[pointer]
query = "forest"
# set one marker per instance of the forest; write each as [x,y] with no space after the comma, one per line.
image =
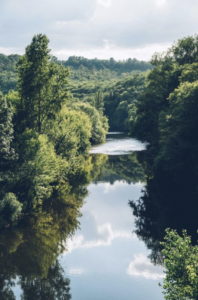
[52,111]
[39,151]
[167,119]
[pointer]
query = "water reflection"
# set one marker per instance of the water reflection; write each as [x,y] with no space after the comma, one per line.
[124,168]
[169,200]
[118,144]
[105,260]
[104,254]
[29,263]
[29,252]
[80,243]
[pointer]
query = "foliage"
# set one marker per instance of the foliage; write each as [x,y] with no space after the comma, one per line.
[121,102]
[81,69]
[91,80]
[120,98]
[30,251]
[50,133]
[39,169]
[167,119]
[70,132]
[181,268]
[7,152]
[167,109]
[10,209]
[8,76]
[99,122]
[99,101]
[41,85]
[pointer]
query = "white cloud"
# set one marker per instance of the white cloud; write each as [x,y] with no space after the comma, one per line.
[160,2]
[98,28]
[142,267]
[106,3]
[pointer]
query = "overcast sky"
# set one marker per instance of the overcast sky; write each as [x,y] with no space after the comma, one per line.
[97,28]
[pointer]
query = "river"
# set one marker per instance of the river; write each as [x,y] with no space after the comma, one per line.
[103,258]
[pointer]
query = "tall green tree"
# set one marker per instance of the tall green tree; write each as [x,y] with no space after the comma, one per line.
[42,85]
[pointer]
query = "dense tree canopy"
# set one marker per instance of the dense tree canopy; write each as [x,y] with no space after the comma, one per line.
[167,109]
[80,68]
[46,132]
[45,135]
[167,119]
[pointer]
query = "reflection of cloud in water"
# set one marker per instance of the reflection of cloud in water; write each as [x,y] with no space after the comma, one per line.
[142,267]
[77,271]
[108,187]
[106,235]
[105,218]
[100,253]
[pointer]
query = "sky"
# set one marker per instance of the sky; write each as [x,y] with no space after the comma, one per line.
[97,28]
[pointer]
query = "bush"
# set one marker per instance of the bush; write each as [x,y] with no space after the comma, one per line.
[181,263]
[10,209]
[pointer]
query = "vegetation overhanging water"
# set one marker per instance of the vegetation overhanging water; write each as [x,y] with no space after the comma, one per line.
[45,135]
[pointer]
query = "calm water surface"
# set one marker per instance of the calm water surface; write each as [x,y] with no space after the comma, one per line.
[105,259]
[118,143]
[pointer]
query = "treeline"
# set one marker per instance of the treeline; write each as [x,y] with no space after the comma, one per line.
[167,109]
[120,98]
[119,83]
[127,65]
[167,120]
[44,136]
[80,69]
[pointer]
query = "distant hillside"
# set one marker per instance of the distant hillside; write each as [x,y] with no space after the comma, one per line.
[127,65]
[81,69]
[120,95]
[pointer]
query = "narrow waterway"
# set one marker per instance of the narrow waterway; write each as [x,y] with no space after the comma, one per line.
[105,259]
[81,244]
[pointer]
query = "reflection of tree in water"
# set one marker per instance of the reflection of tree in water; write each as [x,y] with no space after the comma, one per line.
[54,286]
[29,252]
[121,167]
[169,200]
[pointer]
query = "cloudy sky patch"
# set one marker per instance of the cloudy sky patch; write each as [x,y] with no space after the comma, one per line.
[97,28]
[142,267]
